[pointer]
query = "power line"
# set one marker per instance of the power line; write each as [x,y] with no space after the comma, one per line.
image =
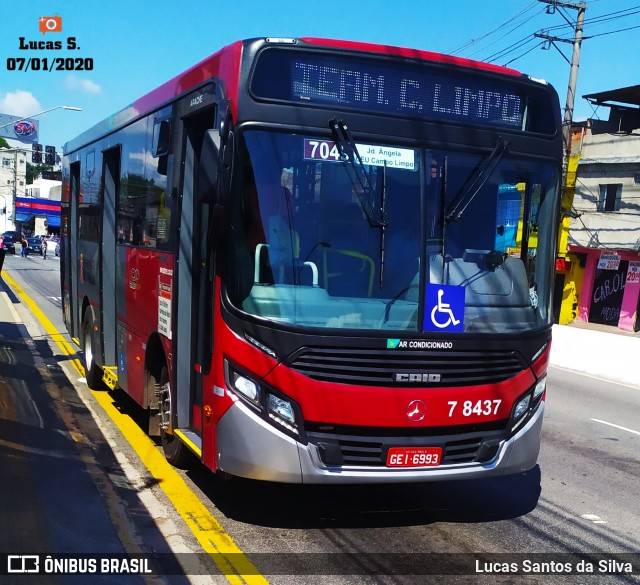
[612,32]
[602,18]
[522,55]
[513,29]
[478,39]
[510,49]
[519,44]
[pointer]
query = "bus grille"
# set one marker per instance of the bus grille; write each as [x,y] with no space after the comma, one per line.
[357,451]
[371,451]
[379,368]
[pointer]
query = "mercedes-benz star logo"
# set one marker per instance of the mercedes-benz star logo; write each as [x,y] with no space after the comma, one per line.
[416,410]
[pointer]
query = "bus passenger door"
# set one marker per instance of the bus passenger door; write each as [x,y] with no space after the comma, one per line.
[69,264]
[110,186]
[193,264]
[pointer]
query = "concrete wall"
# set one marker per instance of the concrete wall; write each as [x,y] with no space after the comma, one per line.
[604,355]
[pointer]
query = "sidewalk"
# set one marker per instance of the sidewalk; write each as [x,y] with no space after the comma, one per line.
[604,352]
[7,312]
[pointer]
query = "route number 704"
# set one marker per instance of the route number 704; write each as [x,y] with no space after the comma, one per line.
[321,150]
[478,408]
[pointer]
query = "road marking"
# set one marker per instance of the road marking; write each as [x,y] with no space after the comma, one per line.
[593,518]
[208,531]
[56,336]
[227,556]
[604,422]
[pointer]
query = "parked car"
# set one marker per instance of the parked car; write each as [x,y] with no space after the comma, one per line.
[34,245]
[10,239]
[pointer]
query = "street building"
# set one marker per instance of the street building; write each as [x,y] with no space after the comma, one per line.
[599,267]
[13,172]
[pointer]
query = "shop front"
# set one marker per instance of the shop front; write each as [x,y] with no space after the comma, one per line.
[37,216]
[611,288]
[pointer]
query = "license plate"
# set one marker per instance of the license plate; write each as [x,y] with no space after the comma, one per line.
[414,456]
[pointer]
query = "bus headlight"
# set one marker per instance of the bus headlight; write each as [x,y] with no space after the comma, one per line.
[539,388]
[521,407]
[272,406]
[528,403]
[248,388]
[281,408]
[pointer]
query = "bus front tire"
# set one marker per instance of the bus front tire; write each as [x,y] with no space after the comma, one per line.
[175,451]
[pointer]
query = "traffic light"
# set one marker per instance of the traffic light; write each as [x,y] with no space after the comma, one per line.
[50,155]
[36,153]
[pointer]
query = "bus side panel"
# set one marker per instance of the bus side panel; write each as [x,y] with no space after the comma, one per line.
[132,363]
[147,276]
[216,398]
[121,322]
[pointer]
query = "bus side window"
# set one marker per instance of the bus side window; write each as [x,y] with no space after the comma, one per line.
[143,215]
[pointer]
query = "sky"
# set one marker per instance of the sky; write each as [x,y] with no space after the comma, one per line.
[136,45]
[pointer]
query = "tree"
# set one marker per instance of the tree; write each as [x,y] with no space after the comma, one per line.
[4,143]
[34,170]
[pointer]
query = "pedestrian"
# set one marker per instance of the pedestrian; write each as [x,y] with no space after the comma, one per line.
[43,247]
[25,246]
[2,252]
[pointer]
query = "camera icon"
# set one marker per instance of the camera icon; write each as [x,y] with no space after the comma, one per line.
[50,24]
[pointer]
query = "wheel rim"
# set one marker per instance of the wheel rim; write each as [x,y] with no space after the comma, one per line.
[88,350]
[164,413]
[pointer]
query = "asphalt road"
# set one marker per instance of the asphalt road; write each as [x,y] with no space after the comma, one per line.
[580,499]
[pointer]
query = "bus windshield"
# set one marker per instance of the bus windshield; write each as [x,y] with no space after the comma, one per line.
[305,252]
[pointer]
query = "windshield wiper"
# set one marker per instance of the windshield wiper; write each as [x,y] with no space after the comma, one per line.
[357,173]
[481,175]
[383,225]
[443,197]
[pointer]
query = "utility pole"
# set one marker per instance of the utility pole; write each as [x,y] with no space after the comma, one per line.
[575,63]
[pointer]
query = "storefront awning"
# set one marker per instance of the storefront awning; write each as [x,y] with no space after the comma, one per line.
[23,217]
[52,220]
[29,207]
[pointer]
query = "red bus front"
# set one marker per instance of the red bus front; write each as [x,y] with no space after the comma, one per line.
[361,336]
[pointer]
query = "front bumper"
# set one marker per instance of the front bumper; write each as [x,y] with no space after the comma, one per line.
[248,446]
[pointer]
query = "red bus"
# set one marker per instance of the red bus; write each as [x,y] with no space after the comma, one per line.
[318,261]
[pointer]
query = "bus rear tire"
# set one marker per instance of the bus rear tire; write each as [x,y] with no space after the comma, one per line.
[175,451]
[93,372]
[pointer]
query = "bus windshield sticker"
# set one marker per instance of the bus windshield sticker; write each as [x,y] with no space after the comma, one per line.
[444,308]
[371,154]
[165,289]
[418,344]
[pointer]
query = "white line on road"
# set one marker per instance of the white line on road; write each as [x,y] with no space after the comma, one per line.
[594,376]
[595,519]
[604,422]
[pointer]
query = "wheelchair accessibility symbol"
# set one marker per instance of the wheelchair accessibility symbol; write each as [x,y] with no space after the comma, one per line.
[444,308]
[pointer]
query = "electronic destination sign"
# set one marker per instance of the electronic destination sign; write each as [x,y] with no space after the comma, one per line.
[402,88]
